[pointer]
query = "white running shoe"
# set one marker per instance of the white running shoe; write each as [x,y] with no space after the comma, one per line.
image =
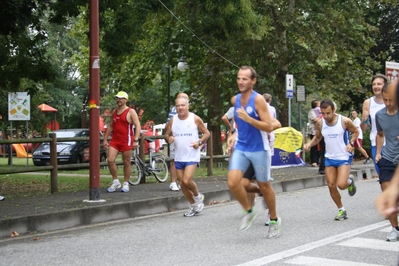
[173,186]
[191,211]
[246,221]
[125,187]
[114,186]
[274,228]
[393,235]
[199,203]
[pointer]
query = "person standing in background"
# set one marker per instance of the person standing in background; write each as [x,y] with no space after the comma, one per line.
[359,141]
[125,130]
[312,119]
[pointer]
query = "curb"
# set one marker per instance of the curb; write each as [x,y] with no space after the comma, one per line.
[100,212]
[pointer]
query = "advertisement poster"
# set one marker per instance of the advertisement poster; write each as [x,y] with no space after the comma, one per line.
[18,106]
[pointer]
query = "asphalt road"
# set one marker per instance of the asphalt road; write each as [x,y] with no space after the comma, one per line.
[309,236]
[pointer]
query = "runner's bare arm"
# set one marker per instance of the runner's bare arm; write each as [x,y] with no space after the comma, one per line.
[317,137]
[365,115]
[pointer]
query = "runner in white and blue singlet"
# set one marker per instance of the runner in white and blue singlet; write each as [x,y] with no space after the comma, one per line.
[338,157]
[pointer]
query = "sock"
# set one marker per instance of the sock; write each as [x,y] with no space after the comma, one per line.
[275,220]
[350,181]
[249,211]
[341,209]
[116,181]
[397,228]
[199,197]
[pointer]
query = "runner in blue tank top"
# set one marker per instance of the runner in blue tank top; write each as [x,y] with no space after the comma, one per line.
[338,157]
[253,121]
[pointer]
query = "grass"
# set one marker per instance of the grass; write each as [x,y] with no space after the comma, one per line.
[24,184]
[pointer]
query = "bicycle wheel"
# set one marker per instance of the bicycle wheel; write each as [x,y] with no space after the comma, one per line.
[160,170]
[135,173]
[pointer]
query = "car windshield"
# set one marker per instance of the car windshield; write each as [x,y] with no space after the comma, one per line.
[66,134]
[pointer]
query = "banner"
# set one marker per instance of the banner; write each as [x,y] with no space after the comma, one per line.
[287,148]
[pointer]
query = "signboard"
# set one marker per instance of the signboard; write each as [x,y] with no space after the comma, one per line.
[392,70]
[300,93]
[289,86]
[18,106]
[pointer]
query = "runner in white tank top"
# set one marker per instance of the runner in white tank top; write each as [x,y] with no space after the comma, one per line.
[370,107]
[182,130]
[333,128]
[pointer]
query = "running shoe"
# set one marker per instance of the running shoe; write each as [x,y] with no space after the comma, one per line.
[1,198]
[125,187]
[114,186]
[393,235]
[274,228]
[199,203]
[267,223]
[191,211]
[341,215]
[352,186]
[246,221]
[367,161]
[173,186]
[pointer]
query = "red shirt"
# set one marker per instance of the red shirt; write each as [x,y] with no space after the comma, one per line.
[122,131]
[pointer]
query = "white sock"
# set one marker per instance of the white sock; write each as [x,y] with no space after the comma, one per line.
[341,209]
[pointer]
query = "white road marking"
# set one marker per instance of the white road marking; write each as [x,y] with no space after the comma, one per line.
[371,244]
[316,244]
[313,261]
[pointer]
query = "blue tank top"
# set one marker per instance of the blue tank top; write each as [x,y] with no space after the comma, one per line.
[249,137]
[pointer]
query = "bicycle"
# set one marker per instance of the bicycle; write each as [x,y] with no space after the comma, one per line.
[157,166]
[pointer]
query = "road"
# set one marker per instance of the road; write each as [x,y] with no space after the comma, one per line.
[309,236]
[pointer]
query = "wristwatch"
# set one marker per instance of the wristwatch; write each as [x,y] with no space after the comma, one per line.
[136,140]
[352,144]
[199,143]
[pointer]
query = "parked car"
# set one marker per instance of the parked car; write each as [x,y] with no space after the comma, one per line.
[68,152]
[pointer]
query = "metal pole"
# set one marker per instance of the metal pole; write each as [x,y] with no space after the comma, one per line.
[289,112]
[94,102]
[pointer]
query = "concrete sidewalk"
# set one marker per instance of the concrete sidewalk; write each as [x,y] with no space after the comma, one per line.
[65,210]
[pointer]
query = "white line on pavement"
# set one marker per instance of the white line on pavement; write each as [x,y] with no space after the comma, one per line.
[312,261]
[313,245]
[377,244]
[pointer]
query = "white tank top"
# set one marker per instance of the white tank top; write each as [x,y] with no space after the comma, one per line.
[336,139]
[185,133]
[374,108]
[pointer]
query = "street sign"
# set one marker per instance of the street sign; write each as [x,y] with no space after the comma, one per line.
[289,86]
[300,93]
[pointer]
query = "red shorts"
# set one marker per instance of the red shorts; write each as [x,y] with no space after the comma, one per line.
[121,147]
[358,143]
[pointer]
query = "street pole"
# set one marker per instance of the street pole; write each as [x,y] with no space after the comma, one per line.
[94,103]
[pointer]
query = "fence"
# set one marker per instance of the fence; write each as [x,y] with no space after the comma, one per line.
[54,167]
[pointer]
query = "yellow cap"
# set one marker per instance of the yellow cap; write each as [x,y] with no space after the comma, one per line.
[122,94]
